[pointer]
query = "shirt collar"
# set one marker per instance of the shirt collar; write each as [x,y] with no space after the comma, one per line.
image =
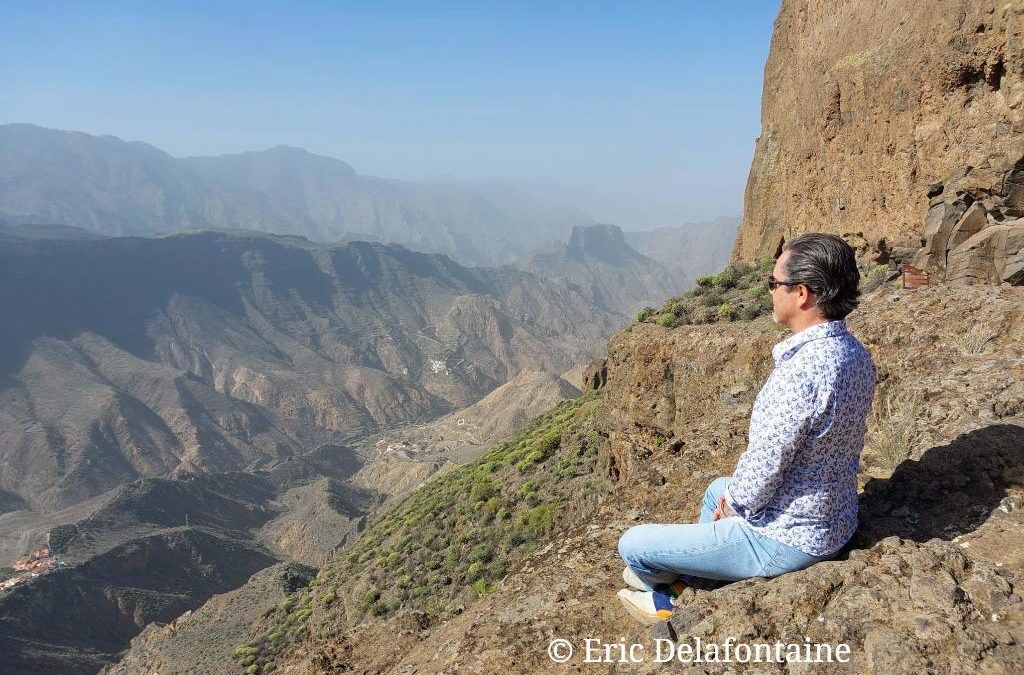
[785,349]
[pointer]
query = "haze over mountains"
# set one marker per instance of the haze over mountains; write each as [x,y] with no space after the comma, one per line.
[109,186]
[114,187]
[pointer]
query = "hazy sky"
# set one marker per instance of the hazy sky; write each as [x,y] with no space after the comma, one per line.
[645,112]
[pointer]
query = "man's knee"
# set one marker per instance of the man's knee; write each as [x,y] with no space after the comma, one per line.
[632,542]
[718,486]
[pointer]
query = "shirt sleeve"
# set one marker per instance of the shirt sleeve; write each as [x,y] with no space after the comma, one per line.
[780,424]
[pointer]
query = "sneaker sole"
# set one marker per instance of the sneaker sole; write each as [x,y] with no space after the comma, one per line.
[642,615]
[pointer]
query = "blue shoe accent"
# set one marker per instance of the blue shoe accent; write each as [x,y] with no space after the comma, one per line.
[662,603]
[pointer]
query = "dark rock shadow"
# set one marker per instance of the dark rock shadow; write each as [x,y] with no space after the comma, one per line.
[951,490]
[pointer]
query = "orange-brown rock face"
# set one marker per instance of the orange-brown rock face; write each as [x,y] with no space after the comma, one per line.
[868,104]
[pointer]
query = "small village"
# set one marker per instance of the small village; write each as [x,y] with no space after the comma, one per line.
[39,562]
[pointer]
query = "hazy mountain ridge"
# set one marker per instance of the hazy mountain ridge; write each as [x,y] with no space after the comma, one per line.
[113,187]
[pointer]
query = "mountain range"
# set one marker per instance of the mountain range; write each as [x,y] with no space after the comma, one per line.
[110,186]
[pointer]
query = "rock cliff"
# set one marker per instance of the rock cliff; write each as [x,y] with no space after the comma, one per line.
[870,107]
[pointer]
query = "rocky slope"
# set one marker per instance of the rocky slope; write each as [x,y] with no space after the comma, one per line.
[113,187]
[866,105]
[201,353]
[72,620]
[931,582]
[202,643]
[497,415]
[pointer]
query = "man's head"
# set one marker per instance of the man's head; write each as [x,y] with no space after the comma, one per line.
[822,279]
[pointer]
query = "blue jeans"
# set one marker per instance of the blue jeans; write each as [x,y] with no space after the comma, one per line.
[726,549]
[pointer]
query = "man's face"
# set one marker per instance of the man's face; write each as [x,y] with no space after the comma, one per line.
[783,298]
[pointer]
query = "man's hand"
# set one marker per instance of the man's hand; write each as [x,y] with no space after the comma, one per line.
[723,510]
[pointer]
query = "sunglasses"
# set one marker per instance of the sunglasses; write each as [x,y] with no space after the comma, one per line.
[774,283]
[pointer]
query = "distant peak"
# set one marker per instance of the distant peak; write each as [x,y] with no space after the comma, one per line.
[292,153]
[601,241]
[287,150]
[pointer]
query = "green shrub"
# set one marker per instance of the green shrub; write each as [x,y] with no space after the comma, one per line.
[481,553]
[726,279]
[706,280]
[666,320]
[875,277]
[748,312]
[644,314]
[726,312]
[567,469]
[533,457]
[244,650]
[369,599]
[712,297]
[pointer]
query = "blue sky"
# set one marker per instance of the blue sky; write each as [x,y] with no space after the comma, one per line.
[643,113]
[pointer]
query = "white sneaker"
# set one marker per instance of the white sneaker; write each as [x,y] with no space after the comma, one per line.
[647,607]
[632,580]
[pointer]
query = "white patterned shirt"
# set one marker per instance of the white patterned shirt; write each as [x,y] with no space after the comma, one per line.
[797,480]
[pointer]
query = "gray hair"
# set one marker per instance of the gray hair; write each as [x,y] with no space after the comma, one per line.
[828,267]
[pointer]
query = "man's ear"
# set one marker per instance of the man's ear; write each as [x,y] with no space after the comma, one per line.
[806,299]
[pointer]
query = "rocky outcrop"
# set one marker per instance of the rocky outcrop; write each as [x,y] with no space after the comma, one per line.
[974,232]
[993,255]
[867,105]
[609,272]
[595,375]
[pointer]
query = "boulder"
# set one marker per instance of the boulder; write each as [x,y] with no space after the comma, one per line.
[973,221]
[993,255]
[938,225]
[596,375]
